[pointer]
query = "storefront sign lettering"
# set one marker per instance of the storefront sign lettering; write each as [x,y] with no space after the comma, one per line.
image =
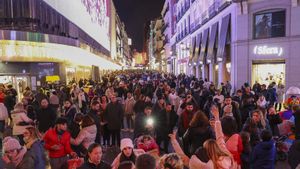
[266,50]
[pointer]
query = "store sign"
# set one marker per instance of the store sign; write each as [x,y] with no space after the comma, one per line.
[266,50]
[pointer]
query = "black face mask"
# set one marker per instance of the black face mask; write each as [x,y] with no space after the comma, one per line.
[60,132]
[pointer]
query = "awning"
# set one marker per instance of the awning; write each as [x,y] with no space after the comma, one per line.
[197,48]
[192,52]
[211,44]
[223,37]
[204,39]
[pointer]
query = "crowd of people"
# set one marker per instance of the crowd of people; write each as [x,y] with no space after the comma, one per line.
[176,122]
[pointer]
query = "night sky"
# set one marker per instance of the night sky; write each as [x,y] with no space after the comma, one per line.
[135,14]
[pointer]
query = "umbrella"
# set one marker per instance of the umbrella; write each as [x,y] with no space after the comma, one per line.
[293,91]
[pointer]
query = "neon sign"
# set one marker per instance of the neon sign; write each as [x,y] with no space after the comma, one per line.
[266,50]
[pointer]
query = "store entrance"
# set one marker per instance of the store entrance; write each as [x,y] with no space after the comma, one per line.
[18,82]
[266,73]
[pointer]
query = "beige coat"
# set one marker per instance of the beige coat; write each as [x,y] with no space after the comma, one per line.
[128,106]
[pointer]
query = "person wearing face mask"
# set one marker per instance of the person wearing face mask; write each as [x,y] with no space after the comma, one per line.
[57,142]
[94,158]
[35,146]
[15,156]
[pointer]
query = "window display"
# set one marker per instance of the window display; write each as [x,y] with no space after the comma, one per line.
[268,73]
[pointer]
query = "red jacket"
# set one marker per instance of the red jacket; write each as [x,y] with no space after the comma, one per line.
[51,139]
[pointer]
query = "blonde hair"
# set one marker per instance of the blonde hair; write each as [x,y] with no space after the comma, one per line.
[262,117]
[172,160]
[214,152]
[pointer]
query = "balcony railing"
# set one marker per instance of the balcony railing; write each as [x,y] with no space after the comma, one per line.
[204,17]
[213,9]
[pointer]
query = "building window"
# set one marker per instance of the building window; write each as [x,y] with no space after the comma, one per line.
[269,24]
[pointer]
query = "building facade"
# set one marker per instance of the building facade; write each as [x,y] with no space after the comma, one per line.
[45,39]
[239,41]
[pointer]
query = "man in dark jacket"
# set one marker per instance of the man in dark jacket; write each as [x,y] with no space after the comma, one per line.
[141,127]
[263,154]
[45,116]
[166,121]
[94,114]
[114,117]
[235,111]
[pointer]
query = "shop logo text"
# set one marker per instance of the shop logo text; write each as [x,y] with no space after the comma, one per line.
[266,50]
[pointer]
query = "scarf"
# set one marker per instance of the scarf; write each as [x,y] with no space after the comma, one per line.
[30,143]
[17,160]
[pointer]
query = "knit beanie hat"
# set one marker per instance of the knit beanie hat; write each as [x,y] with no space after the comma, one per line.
[10,143]
[126,142]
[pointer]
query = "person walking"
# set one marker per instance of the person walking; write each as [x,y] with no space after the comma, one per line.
[46,116]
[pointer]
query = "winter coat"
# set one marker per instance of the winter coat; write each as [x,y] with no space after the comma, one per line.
[86,136]
[165,122]
[88,165]
[114,115]
[236,114]
[46,118]
[26,163]
[38,151]
[19,117]
[196,136]
[51,138]
[224,162]
[293,156]
[274,120]
[235,146]
[263,155]
[70,113]
[93,114]
[128,107]
[3,112]
[297,124]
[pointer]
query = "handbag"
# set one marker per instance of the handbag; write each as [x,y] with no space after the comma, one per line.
[75,163]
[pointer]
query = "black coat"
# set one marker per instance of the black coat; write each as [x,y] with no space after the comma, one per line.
[46,118]
[293,157]
[164,126]
[196,136]
[88,165]
[274,120]
[114,116]
[297,124]
[236,114]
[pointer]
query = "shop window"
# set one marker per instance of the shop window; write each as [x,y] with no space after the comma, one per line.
[269,24]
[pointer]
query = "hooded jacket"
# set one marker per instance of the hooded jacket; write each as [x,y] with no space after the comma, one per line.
[263,155]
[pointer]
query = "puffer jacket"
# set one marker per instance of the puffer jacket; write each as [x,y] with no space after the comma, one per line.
[19,116]
[86,136]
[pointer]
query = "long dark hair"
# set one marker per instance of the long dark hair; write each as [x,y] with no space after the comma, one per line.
[132,157]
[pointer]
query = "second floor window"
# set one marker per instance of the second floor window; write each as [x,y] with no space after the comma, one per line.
[268,24]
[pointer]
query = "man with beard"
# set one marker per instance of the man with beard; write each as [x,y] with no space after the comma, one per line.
[114,114]
[185,118]
[166,121]
[235,111]
[46,116]
[57,142]
[94,114]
